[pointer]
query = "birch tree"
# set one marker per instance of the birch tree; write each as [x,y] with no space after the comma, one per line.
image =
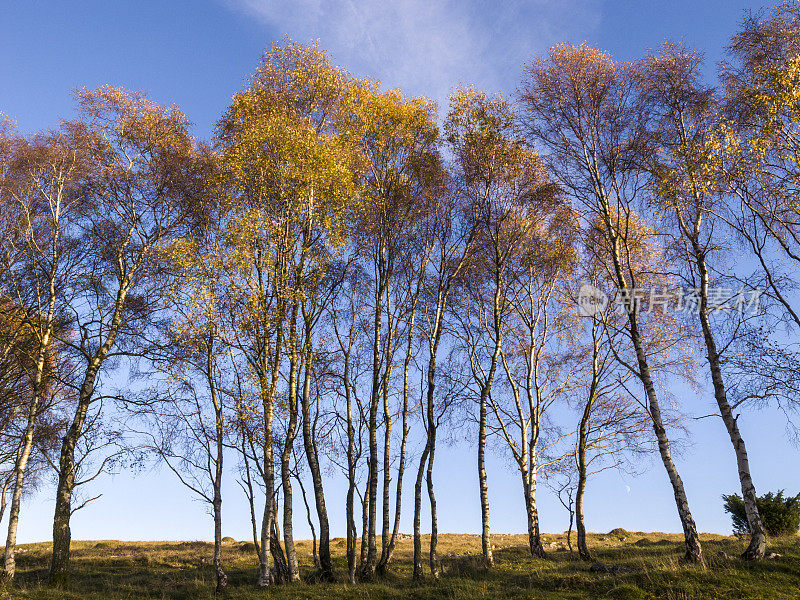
[583,108]
[144,177]
[686,185]
[293,174]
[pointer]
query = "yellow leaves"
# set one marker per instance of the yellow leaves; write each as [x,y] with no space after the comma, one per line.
[131,119]
[286,151]
[395,140]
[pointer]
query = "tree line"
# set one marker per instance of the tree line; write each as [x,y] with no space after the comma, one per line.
[340,281]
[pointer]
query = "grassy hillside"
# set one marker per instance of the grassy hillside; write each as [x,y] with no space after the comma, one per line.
[649,568]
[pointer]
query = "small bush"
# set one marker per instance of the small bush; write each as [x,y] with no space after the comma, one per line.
[227,540]
[619,532]
[781,516]
[626,592]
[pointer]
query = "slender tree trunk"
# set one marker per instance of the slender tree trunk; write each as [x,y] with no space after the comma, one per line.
[325,561]
[486,542]
[4,498]
[364,528]
[314,553]
[281,566]
[398,501]
[267,390]
[569,530]
[293,571]
[368,570]
[583,550]
[417,573]
[26,443]
[352,533]
[534,534]
[219,432]
[222,578]
[758,537]
[404,439]
[248,489]
[694,552]
[583,427]
[387,479]
[288,500]
[62,536]
[264,574]
[23,454]
[433,556]
[486,388]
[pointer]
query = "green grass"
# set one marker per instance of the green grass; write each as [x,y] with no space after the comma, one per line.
[116,570]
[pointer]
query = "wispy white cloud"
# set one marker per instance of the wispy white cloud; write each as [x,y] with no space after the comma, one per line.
[429,46]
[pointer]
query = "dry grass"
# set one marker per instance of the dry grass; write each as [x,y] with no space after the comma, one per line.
[650,568]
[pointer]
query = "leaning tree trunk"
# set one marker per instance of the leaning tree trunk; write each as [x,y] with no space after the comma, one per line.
[583,550]
[62,536]
[26,443]
[758,537]
[281,566]
[4,498]
[694,551]
[583,427]
[417,573]
[325,561]
[20,465]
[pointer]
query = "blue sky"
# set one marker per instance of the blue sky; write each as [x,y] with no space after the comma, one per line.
[197,54]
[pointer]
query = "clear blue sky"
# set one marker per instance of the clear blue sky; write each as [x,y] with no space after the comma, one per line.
[196,54]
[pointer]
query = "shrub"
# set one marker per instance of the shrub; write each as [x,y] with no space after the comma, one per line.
[619,532]
[781,516]
[626,592]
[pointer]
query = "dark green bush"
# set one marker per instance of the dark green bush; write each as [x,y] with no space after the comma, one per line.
[781,516]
